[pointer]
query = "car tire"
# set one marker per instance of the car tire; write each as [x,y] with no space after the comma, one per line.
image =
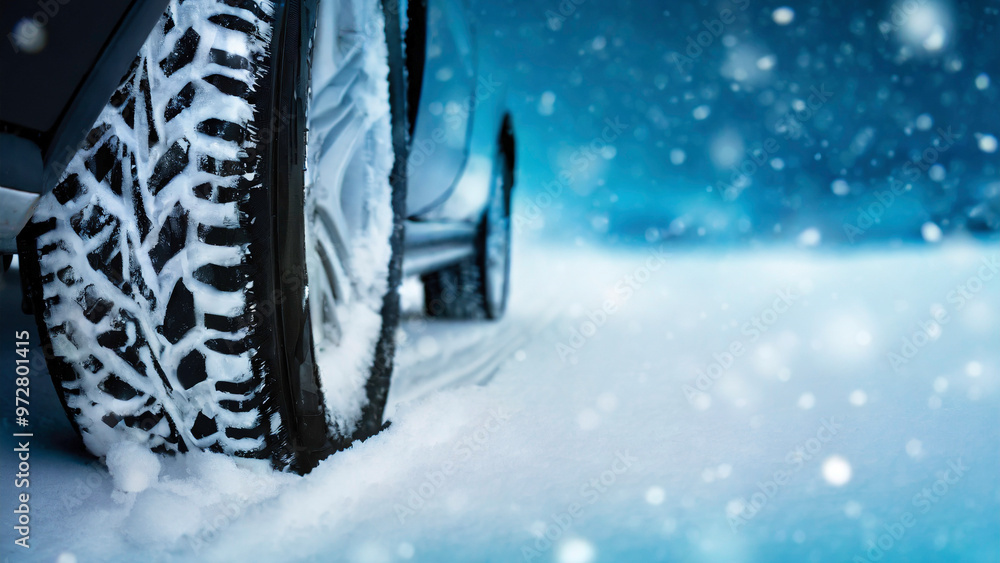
[477,287]
[168,268]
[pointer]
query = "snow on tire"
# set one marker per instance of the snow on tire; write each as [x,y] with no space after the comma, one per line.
[142,247]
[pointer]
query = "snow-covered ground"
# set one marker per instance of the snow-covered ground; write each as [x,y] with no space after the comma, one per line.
[757,406]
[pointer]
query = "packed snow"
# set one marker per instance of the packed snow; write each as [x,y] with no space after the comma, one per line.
[637,405]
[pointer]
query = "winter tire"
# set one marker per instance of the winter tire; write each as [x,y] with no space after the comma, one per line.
[217,269]
[477,287]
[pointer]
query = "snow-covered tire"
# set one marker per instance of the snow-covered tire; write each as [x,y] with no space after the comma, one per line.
[477,287]
[162,267]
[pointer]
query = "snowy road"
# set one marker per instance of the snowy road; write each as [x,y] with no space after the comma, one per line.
[755,406]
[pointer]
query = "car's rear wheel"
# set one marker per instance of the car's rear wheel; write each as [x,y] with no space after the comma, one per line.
[217,269]
[477,287]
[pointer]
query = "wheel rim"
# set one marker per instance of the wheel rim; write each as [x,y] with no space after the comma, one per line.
[346,178]
[497,240]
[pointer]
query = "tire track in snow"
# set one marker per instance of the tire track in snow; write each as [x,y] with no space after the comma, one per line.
[474,363]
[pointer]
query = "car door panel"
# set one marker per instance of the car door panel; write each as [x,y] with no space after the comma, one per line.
[440,143]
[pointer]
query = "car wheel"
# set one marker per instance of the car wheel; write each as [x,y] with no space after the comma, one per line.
[218,267]
[477,287]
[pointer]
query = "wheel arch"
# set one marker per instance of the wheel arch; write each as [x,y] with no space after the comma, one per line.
[507,141]
[414,54]
[45,119]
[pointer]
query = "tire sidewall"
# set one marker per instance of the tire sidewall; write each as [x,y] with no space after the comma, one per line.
[300,381]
